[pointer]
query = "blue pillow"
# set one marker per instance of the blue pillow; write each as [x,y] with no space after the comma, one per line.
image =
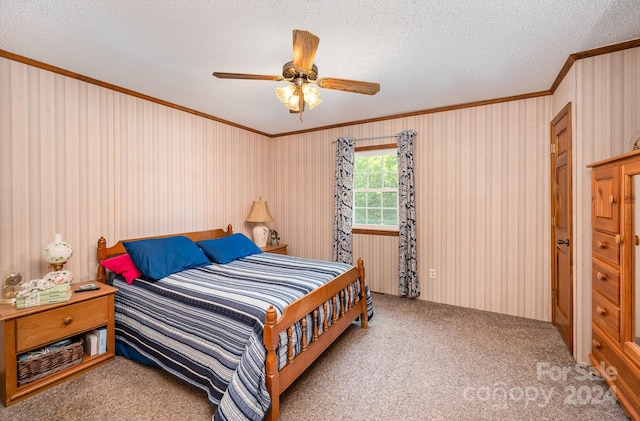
[229,248]
[157,258]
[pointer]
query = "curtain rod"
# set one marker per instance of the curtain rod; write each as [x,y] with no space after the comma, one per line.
[377,137]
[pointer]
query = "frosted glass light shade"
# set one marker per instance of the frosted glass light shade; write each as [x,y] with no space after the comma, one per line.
[311,96]
[290,96]
[57,252]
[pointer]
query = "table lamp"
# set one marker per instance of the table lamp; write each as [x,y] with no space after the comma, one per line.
[260,214]
[56,254]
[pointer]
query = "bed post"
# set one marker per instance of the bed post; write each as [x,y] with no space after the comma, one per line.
[271,368]
[363,295]
[102,254]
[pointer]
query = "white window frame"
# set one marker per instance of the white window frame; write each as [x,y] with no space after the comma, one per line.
[382,151]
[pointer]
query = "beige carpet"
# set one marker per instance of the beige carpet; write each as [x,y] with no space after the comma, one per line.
[417,361]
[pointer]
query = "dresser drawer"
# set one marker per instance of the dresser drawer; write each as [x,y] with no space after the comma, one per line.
[606,315]
[606,280]
[602,349]
[50,326]
[607,356]
[606,248]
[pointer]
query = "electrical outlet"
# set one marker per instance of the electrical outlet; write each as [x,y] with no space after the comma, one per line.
[432,273]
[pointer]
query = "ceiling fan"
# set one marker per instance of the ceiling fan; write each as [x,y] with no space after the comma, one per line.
[301,72]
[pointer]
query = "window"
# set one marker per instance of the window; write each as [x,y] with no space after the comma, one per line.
[375,189]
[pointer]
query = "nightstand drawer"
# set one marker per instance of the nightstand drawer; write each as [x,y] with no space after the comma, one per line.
[50,326]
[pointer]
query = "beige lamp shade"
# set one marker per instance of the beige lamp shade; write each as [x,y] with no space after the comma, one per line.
[260,214]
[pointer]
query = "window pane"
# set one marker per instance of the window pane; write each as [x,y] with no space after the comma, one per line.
[389,199]
[389,217]
[360,181]
[374,200]
[391,163]
[360,164]
[375,194]
[374,216]
[375,163]
[391,179]
[375,180]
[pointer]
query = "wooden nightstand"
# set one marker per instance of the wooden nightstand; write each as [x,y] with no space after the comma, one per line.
[279,249]
[32,328]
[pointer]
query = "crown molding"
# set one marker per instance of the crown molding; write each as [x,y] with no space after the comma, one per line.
[561,75]
[590,53]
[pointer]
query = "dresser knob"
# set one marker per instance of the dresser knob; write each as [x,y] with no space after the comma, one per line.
[601,276]
[618,239]
[596,344]
[612,199]
[68,320]
[601,311]
[602,245]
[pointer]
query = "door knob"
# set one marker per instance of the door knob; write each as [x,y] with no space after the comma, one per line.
[561,242]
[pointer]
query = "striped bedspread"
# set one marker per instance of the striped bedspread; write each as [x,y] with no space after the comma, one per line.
[205,325]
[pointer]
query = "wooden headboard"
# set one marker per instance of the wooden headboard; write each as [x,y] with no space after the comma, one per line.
[105,252]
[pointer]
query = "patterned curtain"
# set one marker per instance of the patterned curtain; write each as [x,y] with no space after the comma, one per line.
[408,283]
[343,201]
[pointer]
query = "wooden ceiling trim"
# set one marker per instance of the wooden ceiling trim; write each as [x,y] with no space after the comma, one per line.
[421,112]
[87,79]
[563,72]
[591,53]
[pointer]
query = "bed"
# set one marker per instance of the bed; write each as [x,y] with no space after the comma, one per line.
[242,330]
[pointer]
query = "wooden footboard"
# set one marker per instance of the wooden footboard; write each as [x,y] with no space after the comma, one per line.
[279,380]
[341,288]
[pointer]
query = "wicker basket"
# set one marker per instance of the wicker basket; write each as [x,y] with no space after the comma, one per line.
[44,365]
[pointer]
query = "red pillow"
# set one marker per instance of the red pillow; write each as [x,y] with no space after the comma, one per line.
[122,265]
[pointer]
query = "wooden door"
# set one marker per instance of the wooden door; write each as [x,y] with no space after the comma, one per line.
[561,231]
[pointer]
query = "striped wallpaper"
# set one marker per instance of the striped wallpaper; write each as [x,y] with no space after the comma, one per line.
[87,161]
[482,193]
[607,117]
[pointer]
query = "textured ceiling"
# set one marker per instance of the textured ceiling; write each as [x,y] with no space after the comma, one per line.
[424,53]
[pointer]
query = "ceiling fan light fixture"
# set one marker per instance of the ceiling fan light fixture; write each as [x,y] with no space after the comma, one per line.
[294,103]
[301,71]
[311,95]
[290,97]
[285,93]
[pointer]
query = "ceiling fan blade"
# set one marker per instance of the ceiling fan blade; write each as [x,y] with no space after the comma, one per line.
[357,86]
[223,75]
[305,45]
